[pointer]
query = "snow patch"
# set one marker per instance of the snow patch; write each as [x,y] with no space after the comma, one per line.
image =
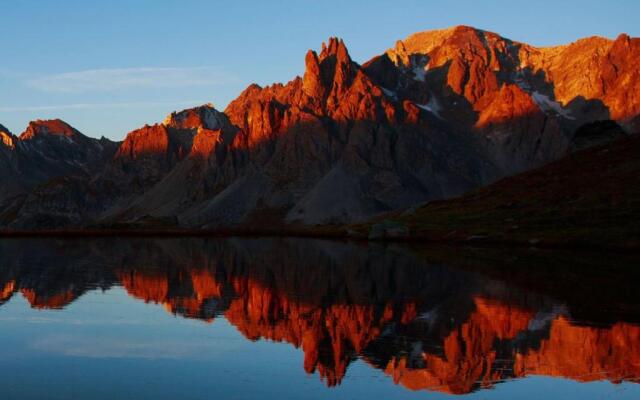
[420,73]
[430,316]
[419,67]
[432,106]
[66,139]
[546,104]
[389,93]
[543,319]
[543,101]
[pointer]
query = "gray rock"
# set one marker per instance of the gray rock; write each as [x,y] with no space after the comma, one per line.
[388,229]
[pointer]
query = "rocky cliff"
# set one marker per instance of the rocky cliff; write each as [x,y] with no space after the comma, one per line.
[441,113]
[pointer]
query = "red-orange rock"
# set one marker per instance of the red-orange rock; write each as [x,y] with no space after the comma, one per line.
[48,127]
[146,141]
[56,301]
[205,142]
[584,353]
[511,105]
[7,291]
[6,138]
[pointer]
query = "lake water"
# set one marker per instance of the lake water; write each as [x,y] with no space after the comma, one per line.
[274,318]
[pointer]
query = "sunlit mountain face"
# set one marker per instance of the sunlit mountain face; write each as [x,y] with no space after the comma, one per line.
[439,114]
[437,320]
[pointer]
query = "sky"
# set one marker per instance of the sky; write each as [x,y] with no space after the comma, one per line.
[108,67]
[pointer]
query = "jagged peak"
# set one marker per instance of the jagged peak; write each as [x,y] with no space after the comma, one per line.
[311,59]
[149,139]
[250,91]
[590,41]
[334,47]
[332,66]
[623,40]
[56,127]
[428,40]
[623,37]
[5,129]
[158,131]
[205,116]
[6,137]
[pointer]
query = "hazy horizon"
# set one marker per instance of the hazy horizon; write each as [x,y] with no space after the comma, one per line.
[109,68]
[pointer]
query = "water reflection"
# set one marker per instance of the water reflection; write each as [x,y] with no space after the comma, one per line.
[452,321]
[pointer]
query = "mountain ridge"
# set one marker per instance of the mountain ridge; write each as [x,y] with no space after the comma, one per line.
[441,113]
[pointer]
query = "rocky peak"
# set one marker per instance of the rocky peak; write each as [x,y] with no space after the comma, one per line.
[384,135]
[469,62]
[335,47]
[608,73]
[312,81]
[175,136]
[468,66]
[251,91]
[330,72]
[336,63]
[7,138]
[5,130]
[147,141]
[427,41]
[212,129]
[205,116]
[147,155]
[624,38]
[51,127]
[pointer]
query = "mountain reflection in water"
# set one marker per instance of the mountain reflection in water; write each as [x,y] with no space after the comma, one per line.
[446,320]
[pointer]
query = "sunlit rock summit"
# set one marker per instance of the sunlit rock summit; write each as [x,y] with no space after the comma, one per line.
[438,114]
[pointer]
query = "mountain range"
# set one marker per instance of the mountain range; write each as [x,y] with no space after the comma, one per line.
[439,114]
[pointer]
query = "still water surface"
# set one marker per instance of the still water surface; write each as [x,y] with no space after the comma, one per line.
[297,318]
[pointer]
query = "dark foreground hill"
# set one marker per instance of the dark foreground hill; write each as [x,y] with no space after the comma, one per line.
[590,198]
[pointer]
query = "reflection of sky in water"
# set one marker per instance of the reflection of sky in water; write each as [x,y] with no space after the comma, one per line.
[109,345]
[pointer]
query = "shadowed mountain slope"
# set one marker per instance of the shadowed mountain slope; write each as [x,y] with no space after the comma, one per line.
[440,114]
[589,198]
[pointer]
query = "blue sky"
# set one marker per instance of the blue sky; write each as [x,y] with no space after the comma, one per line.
[109,67]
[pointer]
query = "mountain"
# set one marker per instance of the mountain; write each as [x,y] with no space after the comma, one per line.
[48,150]
[590,198]
[440,114]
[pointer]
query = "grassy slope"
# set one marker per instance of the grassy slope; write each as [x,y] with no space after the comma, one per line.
[589,198]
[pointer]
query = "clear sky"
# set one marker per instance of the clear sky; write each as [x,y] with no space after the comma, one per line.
[107,67]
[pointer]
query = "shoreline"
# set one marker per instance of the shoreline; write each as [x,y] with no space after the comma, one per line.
[329,234]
